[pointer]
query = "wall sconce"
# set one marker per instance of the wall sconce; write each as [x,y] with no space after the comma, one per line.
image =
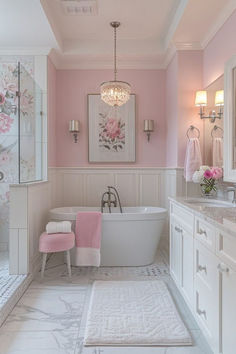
[74,129]
[201,101]
[148,127]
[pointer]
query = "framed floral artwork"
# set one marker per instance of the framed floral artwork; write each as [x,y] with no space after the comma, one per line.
[111,131]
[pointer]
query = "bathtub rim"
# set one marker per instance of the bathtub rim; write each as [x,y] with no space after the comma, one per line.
[151,213]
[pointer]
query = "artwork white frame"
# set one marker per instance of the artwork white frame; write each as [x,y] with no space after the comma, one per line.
[111,131]
[229,120]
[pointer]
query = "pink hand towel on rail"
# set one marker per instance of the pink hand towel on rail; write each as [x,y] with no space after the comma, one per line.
[193,158]
[88,238]
[217,152]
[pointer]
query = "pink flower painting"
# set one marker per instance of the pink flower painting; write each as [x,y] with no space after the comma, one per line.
[5,123]
[111,133]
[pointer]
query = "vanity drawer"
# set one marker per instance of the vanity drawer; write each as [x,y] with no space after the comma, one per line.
[226,248]
[205,233]
[207,313]
[187,219]
[205,266]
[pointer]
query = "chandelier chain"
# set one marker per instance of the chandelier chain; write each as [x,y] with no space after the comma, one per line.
[115,67]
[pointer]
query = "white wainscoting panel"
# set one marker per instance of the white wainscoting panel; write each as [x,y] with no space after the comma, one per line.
[39,202]
[31,202]
[150,189]
[136,186]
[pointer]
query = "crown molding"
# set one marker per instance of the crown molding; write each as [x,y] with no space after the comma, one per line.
[224,15]
[75,62]
[64,61]
[25,51]
[55,29]
[188,46]
[179,46]
[170,53]
[174,23]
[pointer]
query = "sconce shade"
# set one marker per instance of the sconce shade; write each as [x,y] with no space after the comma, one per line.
[219,98]
[74,126]
[148,125]
[201,98]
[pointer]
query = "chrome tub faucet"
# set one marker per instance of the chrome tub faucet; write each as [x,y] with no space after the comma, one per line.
[110,198]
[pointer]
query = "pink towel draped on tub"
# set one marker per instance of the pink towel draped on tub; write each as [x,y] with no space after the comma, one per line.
[88,238]
[193,158]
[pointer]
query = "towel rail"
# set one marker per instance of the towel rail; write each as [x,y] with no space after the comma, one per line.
[190,129]
[216,127]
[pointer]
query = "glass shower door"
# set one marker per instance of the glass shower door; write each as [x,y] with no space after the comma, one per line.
[9,172]
[30,128]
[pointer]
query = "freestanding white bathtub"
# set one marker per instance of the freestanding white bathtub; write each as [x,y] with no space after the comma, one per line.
[128,239]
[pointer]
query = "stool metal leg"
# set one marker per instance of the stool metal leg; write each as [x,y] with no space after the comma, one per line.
[43,264]
[68,262]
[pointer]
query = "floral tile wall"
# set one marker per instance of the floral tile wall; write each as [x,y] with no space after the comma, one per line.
[9,131]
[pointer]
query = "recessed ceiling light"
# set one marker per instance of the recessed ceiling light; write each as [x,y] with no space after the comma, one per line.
[79,7]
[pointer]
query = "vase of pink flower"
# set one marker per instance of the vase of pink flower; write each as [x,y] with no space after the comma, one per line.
[207,177]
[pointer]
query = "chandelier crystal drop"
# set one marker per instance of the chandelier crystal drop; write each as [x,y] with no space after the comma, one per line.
[115,93]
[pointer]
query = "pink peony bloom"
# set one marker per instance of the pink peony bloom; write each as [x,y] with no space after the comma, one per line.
[2,98]
[217,172]
[208,174]
[5,123]
[112,128]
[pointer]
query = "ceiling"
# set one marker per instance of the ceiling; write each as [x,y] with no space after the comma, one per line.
[150,29]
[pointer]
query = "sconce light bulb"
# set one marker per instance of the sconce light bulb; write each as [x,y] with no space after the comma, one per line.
[201,98]
[219,98]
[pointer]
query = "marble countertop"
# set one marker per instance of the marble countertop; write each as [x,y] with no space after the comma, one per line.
[223,218]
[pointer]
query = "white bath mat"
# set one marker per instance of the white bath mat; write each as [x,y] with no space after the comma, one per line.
[133,313]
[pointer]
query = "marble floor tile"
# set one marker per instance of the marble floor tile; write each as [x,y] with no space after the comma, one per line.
[51,316]
[48,342]
[45,309]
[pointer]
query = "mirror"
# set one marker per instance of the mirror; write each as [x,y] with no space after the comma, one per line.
[213,131]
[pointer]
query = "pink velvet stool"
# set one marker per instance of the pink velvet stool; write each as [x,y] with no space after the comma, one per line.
[50,243]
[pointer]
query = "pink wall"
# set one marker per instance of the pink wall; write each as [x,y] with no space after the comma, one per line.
[71,103]
[219,50]
[171,101]
[189,81]
[183,79]
[51,114]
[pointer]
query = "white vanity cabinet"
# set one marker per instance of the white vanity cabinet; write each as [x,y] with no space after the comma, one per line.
[181,251]
[228,310]
[203,266]
[226,252]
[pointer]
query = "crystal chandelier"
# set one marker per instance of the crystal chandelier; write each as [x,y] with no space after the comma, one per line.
[115,93]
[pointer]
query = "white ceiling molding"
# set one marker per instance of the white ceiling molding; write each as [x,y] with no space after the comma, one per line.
[170,53]
[74,62]
[188,46]
[174,24]
[25,51]
[222,18]
[52,23]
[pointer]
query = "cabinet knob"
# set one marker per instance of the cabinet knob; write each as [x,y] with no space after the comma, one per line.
[201,268]
[202,232]
[222,268]
[201,312]
[178,229]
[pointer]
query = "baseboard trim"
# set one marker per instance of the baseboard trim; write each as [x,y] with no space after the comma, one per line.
[15,297]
